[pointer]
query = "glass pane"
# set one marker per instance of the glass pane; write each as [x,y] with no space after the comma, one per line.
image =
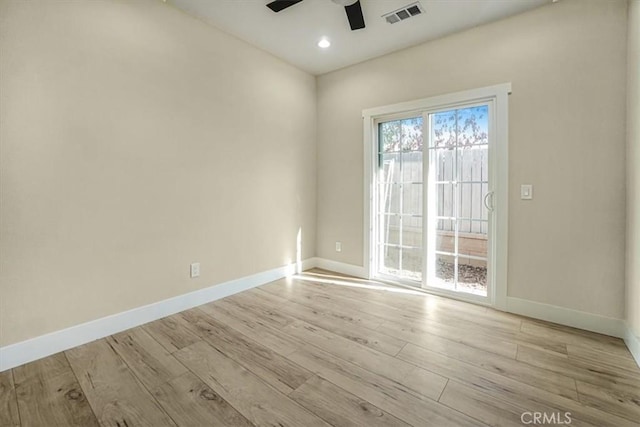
[412,167]
[390,136]
[389,168]
[412,232]
[390,225]
[472,243]
[465,226]
[463,127]
[390,259]
[444,200]
[473,125]
[445,225]
[444,272]
[412,264]
[412,134]
[471,201]
[443,129]
[412,199]
[473,164]
[444,164]
[472,276]
[390,198]
[445,241]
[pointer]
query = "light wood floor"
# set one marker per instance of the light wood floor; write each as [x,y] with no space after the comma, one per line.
[327,350]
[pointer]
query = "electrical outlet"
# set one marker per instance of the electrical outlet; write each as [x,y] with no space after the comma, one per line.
[338,246]
[195,270]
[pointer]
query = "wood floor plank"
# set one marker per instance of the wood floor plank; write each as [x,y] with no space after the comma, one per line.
[49,394]
[9,416]
[408,404]
[254,328]
[620,403]
[340,324]
[340,408]
[272,315]
[308,295]
[453,312]
[609,377]
[389,291]
[543,344]
[431,387]
[447,323]
[171,333]
[253,398]
[574,336]
[421,305]
[527,397]
[190,402]
[496,326]
[323,299]
[424,304]
[273,368]
[149,361]
[481,406]
[623,361]
[116,396]
[422,332]
[351,377]
[506,366]
[336,311]
[377,291]
[350,351]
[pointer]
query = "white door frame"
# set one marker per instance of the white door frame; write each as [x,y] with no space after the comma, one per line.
[498,159]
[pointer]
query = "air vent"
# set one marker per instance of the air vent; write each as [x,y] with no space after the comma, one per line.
[403,13]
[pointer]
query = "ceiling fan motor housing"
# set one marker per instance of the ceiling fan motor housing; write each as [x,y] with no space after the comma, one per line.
[344,2]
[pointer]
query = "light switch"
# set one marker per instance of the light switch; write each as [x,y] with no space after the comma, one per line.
[526,191]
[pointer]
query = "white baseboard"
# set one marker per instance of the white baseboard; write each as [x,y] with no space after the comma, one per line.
[36,348]
[45,345]
[340,267]
[633,343]
[568,317]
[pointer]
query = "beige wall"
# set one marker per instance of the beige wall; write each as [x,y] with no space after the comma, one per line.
[633,169]
[566,62]
[135,140]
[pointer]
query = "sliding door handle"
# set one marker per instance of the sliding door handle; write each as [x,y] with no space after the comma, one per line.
[489,207]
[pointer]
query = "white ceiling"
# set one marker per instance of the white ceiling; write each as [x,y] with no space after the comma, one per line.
[293,33]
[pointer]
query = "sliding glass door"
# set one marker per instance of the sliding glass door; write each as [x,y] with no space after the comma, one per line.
[458,200]
[434,199]
[400,194]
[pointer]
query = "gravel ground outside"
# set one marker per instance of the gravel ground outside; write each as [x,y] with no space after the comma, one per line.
[470,278]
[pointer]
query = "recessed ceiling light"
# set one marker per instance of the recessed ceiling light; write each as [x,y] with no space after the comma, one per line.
[324,43]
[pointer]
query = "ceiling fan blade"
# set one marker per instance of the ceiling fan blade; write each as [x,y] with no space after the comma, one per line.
[279,5]
[355,16]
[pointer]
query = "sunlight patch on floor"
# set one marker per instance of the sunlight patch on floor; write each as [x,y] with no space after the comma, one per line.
[342,281]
